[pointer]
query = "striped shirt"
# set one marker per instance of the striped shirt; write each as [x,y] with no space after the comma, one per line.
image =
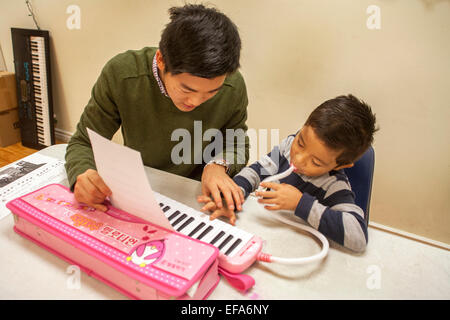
[327,203]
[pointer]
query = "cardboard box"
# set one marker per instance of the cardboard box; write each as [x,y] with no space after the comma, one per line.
[9,127]
[8,91]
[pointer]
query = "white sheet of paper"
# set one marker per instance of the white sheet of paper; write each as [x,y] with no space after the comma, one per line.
[123,172]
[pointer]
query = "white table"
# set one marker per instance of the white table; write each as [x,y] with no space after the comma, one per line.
[392,267]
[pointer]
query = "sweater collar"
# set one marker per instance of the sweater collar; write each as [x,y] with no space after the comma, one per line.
[158,79]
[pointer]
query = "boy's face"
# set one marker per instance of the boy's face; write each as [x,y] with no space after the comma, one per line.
[187,91]
[311,156]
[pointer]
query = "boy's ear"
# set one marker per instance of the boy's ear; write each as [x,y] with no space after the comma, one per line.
[344,166]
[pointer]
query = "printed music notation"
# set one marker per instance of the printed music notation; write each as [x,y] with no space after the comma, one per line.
[28,174]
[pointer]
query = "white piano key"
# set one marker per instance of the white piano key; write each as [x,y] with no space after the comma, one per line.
[186,223]
[218,227]
[238,234]
[40,86]
[176,222]
[226,242]
[167,210]
[197,220]
[196,229]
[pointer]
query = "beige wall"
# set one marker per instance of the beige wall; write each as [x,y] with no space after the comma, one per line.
[295,55]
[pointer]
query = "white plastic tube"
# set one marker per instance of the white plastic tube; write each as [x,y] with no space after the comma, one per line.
[295,261]
[303,260]
[280,175]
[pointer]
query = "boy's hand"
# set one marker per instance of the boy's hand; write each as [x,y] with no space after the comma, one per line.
[282,197]
[216,181]
[216,212]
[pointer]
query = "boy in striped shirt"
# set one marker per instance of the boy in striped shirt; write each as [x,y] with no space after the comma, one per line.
[335,135]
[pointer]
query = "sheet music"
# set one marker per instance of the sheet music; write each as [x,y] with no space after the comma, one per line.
[123,172]
[27,175]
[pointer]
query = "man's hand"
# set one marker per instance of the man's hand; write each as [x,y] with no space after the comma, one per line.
[212,207]
[216,181]
[282,197]
[90,189]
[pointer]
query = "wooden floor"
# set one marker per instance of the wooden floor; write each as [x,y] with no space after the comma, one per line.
[15,152]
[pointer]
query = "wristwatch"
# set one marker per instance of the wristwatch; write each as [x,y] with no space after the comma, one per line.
[220,162]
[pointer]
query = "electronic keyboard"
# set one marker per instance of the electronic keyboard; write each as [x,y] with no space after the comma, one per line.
[238,248]
[34,90]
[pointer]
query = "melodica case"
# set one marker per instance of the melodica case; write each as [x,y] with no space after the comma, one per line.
[135,257]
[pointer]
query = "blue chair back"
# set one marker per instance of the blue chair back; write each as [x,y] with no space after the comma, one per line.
[361,177]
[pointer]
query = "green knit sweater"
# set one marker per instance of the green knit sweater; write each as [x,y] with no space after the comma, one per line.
[126,95]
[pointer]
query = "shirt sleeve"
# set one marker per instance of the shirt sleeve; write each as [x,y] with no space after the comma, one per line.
[249,178]
[100,115]
[337,216]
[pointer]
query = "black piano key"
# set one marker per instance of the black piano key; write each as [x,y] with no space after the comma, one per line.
[161,204]
[174,214]
[234,245]
[197,228]
[216,238]
[205,232]
[181,218]
[228,239]
[166,208]
[188,221]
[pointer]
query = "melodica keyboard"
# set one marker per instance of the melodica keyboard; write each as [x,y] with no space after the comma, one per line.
[237,247]
[34,90]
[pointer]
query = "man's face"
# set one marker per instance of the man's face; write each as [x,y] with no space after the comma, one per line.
[311,156]
[187,91]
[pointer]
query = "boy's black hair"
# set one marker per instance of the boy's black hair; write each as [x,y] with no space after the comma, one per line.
[345,124]
[200,41]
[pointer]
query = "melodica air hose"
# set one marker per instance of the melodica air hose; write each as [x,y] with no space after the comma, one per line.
[294,261]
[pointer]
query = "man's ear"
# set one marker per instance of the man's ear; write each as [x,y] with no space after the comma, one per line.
[160,61]
[344,166]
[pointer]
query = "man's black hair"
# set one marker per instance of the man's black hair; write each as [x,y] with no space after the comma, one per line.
[200,41]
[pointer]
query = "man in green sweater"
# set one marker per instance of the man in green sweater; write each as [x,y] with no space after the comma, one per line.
[190,84]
